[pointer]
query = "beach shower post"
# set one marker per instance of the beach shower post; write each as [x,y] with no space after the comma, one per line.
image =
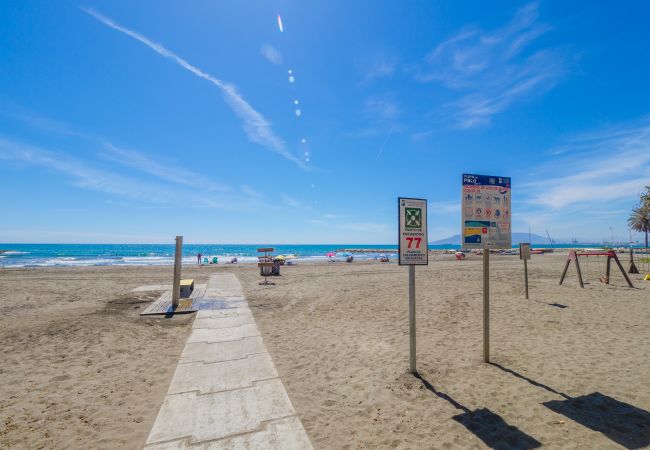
[178,257]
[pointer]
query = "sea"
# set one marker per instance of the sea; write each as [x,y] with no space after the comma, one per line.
[67,255]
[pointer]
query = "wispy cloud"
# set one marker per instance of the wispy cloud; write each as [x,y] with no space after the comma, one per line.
[271,53]
[377,65]
[174,174]
[94,177]
[382,107]
[294,203]
[249,191]
[494,69]
[594,170]
[83,175]
[42,123]
[257,128]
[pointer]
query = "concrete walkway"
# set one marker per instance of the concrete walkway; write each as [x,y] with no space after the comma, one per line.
[226,393]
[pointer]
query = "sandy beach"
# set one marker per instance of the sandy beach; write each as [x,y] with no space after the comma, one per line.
[570,365]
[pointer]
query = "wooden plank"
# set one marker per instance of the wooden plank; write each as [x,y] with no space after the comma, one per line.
[164,306]
[266,249]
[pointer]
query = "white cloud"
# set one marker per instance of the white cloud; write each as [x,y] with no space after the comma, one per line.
[257,128]
[271,53]
[382,107]
[249,191]
[87,176]
[595,169]
[295,203]
[492,69]
[175,174]
[84,175]
[378,65]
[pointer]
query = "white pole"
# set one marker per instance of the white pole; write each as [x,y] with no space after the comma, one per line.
[178,257]
[486,305]
[412,367]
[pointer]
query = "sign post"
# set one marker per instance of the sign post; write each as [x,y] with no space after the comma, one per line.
[178,257]
[486,305]
[524,253]
[486,219]
[413,251]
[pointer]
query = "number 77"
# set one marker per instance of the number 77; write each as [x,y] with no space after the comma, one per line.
[417,241]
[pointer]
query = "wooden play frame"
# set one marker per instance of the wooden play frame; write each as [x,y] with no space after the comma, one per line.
[574,255]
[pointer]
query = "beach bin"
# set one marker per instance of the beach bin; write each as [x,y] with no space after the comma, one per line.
[187,286]
[266,269]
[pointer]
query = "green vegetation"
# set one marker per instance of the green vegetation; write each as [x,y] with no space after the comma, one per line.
[639,220]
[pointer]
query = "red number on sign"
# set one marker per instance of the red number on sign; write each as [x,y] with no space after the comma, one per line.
[417,241]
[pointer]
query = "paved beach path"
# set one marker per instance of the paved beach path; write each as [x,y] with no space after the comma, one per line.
[226,392]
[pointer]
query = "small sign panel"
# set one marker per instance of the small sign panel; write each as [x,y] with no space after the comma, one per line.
[486,212]
[524,250]
[413,243]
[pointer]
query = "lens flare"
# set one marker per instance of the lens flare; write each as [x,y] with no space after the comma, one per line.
[298,113]
[280,24]
[295,102]
[291,79]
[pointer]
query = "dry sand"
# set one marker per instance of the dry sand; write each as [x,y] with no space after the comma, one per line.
[571,366]
[80,368]
[338,335]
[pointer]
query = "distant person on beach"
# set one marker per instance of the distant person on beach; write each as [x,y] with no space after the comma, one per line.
[198,258]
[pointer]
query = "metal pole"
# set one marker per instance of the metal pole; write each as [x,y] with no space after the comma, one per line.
[178,256]
[412,367]
[526,275]
[486,305]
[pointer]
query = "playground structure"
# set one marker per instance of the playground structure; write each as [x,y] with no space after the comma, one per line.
[642,262]
[574,256]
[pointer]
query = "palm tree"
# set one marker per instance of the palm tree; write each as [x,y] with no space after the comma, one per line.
[639,220]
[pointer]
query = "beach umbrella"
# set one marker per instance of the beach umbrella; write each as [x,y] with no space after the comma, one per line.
[280,257]
[330,254]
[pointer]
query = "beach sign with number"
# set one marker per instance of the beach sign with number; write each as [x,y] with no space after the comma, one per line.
[413,245]
[524,250]
[486,212]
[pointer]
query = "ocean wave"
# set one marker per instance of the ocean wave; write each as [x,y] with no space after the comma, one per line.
[15,252]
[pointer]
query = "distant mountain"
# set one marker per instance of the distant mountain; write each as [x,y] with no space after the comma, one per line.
[535,239]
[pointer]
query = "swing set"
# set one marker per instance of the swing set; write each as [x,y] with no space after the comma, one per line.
[610,254]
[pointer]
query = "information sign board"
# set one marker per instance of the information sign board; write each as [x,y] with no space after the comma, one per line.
[486,212]
[413,244]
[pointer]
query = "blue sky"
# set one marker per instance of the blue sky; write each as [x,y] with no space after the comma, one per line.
[136,121]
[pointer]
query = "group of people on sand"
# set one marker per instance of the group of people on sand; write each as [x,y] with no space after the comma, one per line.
[200,261]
